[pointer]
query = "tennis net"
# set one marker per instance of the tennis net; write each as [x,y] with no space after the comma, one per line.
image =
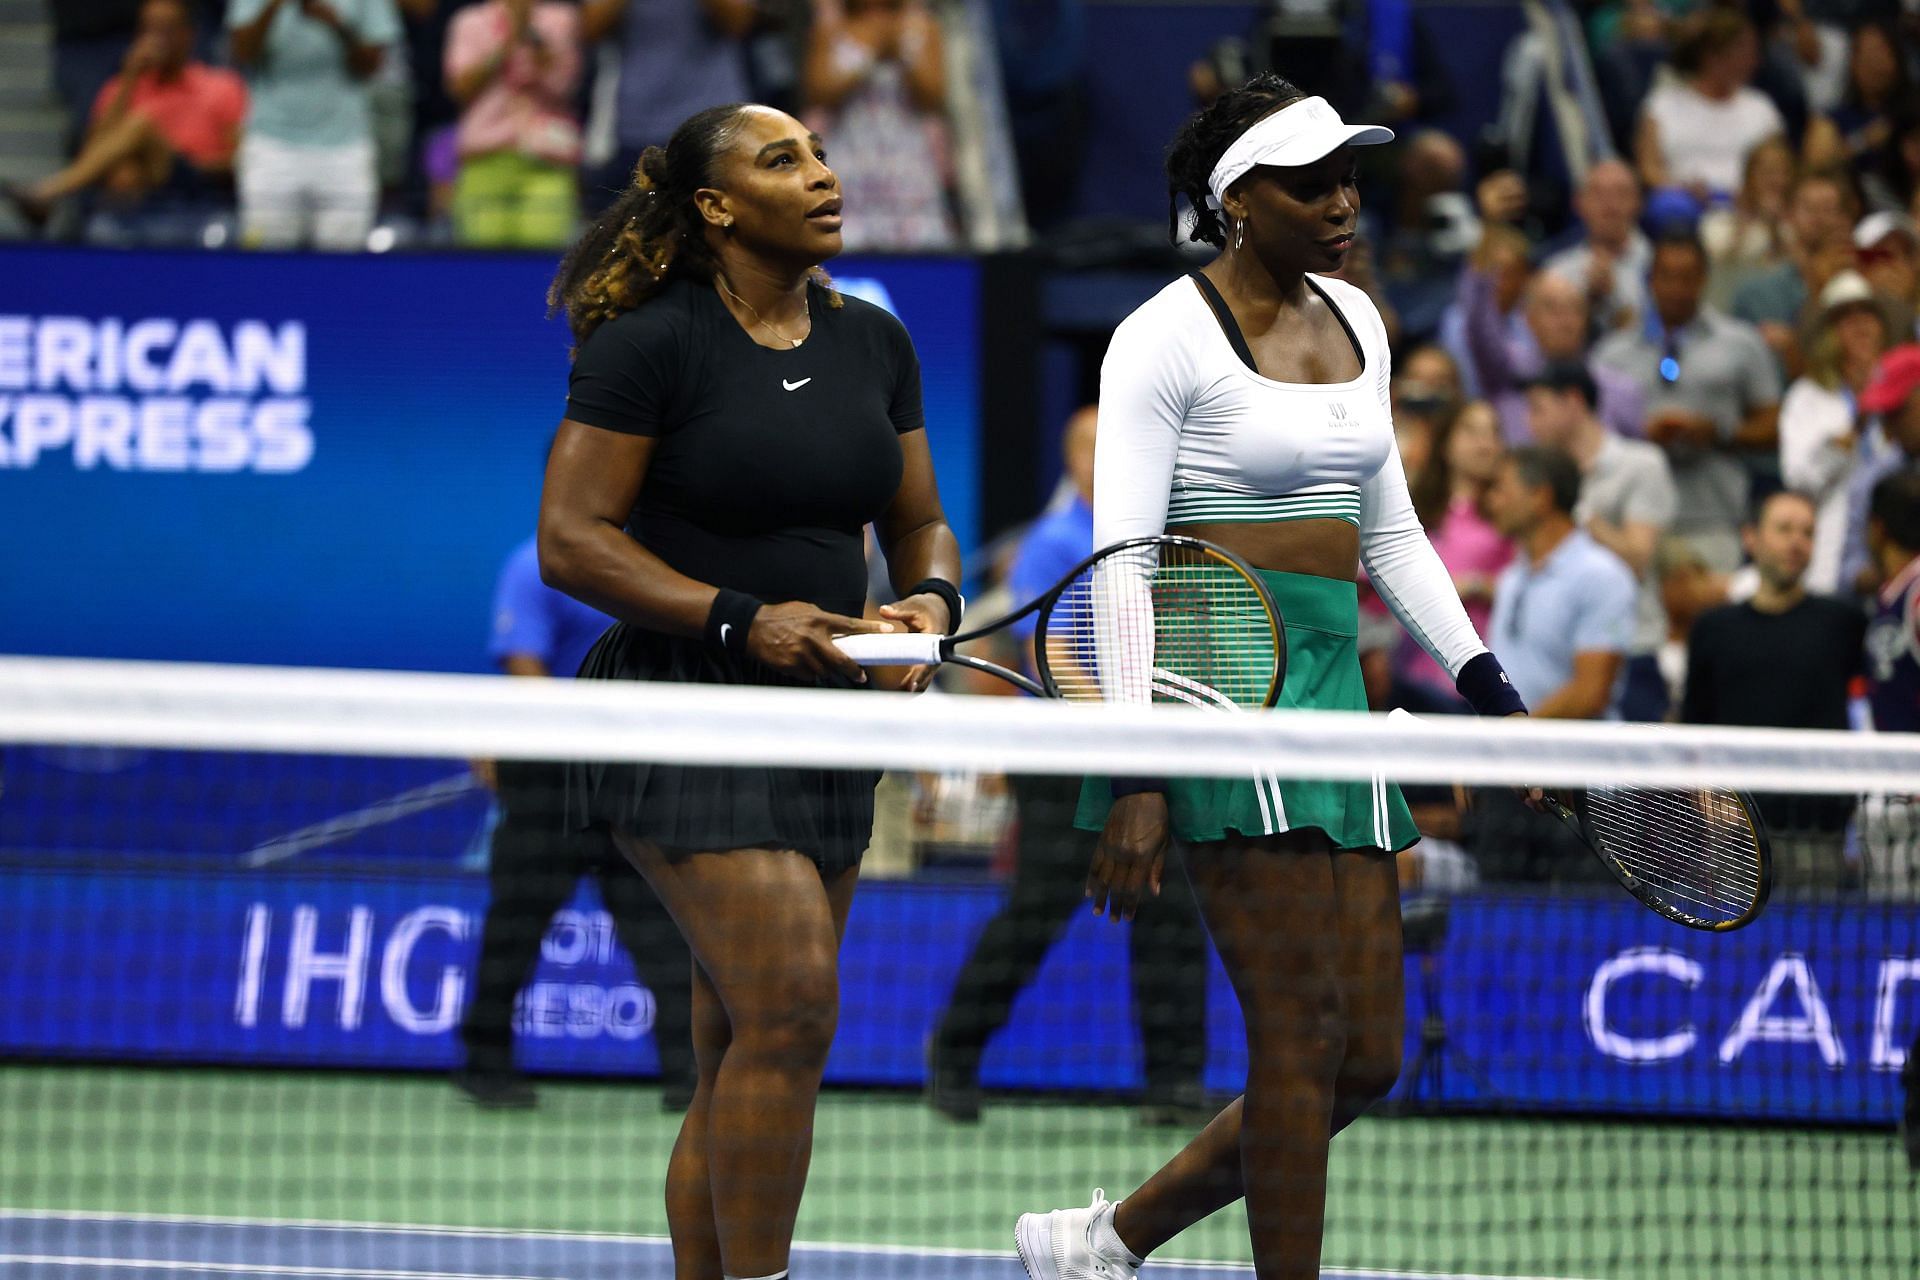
[242,914]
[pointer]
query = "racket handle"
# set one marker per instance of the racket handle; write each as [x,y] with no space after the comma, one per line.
[891,649]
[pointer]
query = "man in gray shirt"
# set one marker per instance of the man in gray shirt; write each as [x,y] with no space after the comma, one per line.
[1627,502]
[1713,396]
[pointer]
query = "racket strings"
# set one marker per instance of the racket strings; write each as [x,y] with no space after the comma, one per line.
[1162,622]
[1697,849]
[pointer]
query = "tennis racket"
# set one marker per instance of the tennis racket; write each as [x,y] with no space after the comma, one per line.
[1698,856]
[1160,619]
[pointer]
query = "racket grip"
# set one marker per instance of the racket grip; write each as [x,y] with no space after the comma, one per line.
[891,649]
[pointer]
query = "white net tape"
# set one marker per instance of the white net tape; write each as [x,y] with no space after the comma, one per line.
[246,708]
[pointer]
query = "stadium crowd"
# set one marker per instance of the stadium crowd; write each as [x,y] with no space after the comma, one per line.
[1678,277]
[349,124]
[1665,446]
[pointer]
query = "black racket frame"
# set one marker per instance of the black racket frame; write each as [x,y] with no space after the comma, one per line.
[1571,808]
[1046,686]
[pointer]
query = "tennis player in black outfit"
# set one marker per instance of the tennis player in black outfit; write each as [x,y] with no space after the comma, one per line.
[732,426]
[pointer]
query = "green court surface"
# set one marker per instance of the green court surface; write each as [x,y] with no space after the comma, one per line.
[1443,1196]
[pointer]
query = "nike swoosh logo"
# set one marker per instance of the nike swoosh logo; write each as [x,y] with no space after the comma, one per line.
[795,386]
[724,628]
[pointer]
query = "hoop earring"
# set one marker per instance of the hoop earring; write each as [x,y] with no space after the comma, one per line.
[1239,234]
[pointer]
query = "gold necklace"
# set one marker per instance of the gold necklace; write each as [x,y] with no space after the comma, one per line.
[793,342]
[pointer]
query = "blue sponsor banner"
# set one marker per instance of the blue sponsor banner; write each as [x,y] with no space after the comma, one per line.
[1572,1004]
[319,460]
[1596,1004]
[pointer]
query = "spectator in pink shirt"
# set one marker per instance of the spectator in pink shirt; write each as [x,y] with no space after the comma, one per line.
[514,67]
[165,123]
[1449,496]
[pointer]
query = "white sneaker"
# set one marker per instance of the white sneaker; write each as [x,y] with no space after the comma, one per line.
[1059,1245]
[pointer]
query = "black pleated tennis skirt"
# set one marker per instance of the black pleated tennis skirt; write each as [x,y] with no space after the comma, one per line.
[826,814]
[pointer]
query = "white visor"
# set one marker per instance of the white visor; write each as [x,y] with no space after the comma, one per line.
[1307,131]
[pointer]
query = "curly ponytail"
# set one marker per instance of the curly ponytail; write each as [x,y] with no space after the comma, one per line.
[652,232]
[1205,137]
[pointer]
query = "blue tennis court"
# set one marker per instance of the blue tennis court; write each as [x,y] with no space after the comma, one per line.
[59,1246]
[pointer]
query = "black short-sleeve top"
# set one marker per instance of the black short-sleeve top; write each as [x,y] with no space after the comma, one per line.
[769,463]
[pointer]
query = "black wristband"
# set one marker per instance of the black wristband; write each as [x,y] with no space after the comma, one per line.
[1484,684]
[730,619]
[946,591]
[1135,786]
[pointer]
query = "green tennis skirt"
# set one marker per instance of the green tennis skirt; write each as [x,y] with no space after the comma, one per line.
[1322,617]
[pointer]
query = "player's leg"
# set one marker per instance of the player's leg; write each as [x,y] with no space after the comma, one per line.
[664,963]
[690,1217]
[1049,881]
[1208,1174]
[1372,980]
[1169,974]
[765,929]
[1910,1106]
[1271,906]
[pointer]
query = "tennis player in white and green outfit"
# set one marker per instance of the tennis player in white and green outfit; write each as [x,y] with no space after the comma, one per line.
[1247,404]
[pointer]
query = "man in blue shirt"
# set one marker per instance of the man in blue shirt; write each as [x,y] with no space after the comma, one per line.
[1563,610]
[537,861]
[1169,947]
[1563,620]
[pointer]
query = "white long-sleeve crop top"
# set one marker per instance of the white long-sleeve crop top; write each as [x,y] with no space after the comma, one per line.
[1189,434]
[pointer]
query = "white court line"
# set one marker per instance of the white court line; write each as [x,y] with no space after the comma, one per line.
[248,1268]
[327,1224]
[596,1237]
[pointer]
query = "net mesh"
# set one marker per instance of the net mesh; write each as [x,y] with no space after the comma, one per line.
[246,970]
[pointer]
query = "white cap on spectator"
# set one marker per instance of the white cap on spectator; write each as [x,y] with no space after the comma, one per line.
[1846,289]
[1876,227]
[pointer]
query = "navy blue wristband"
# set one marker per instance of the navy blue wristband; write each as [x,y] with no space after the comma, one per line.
[729,621]
[1484,684]
[947,592]
[1135,786]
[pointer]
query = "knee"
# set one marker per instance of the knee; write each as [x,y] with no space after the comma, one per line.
[710,1047]
[125,180]
[792,1023]
[1304,1035]
[1370,1070]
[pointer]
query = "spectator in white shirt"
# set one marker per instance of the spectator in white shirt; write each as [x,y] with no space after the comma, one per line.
[1697,126]
[1819,441]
